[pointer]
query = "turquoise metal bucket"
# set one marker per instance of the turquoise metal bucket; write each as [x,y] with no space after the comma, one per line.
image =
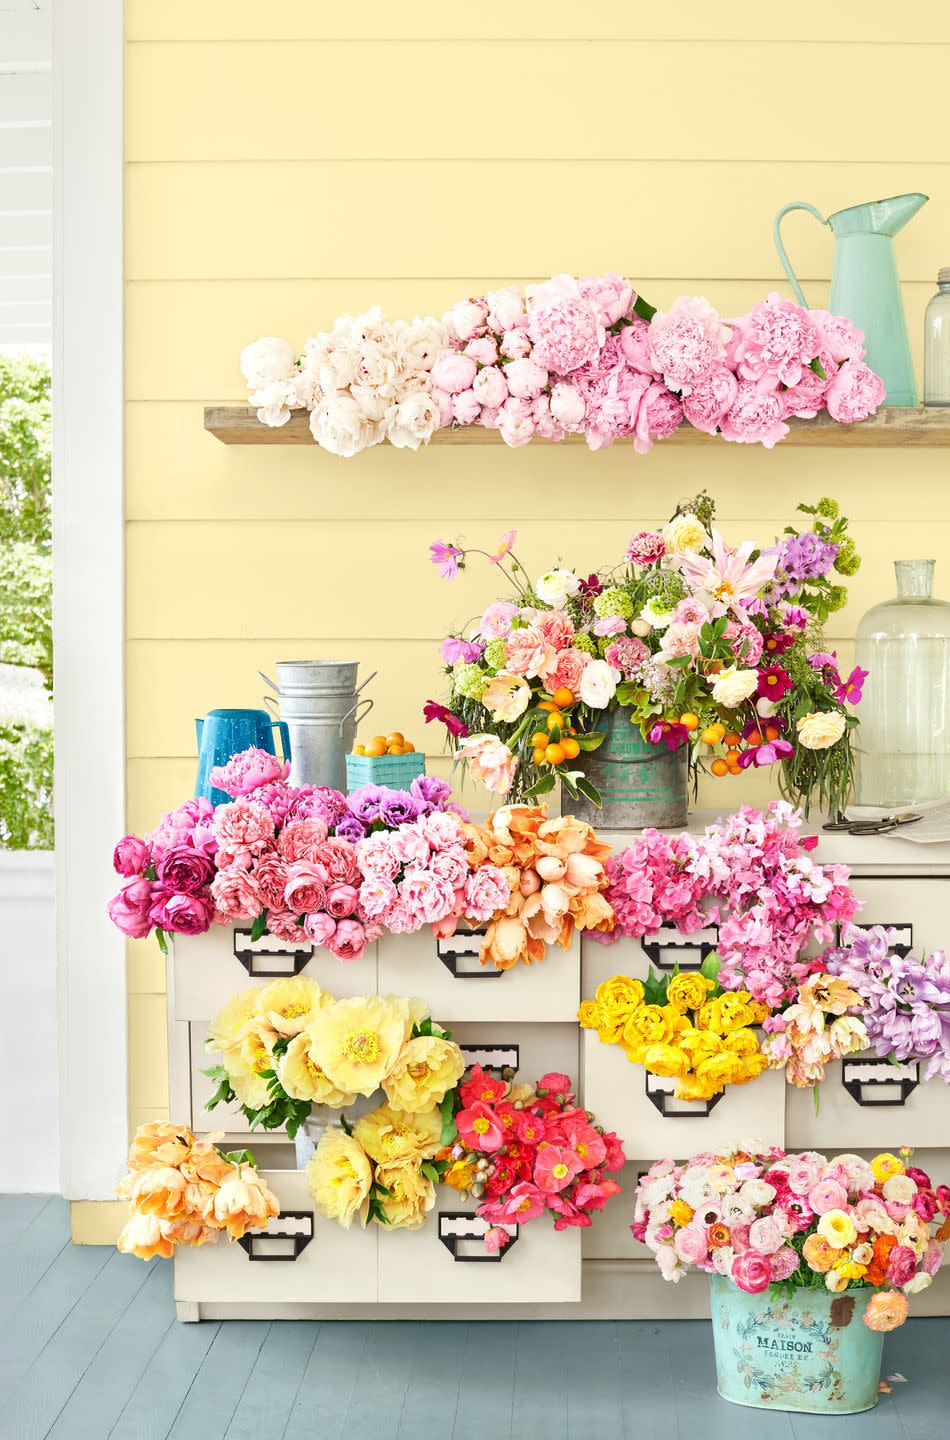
[640,784]
[812,1353]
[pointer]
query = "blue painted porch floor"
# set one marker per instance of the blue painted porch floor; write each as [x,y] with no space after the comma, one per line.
[90,1348]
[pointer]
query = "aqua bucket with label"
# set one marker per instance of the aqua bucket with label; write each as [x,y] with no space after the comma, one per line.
[811,1352]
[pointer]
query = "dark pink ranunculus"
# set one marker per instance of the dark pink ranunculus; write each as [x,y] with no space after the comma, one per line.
[184,870]
[131,856]
[901,1265]
[181,914]
[751,1272]
[342,901]
[349,940]
[129,910]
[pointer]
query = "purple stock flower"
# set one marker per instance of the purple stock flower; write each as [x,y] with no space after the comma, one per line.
[805,557]
[905,1000]
[454,650]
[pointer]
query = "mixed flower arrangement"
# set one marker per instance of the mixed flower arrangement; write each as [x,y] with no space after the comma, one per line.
[523,1150]
[569,356]
[766,1218]
[313,864]
[290,1045]
[185,1191]
[713,650]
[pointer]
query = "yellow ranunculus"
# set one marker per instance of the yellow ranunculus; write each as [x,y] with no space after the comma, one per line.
[411,1195]
[663,1059]
[835,1281]
[288,1005]
[886,1165]
[591,1015]
[356,1042]
[837,1227]
[425,1070]
[618,999]
[680,1212]
[303,1079]
[390,1136]
[850,1269]
[339,1177]
[652,1025]
[688,991]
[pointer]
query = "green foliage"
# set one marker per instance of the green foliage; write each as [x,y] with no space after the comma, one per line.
[25,445]
[26,608]
[26,788]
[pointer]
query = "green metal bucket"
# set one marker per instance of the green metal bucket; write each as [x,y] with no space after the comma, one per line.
[812,1353]
[641,784]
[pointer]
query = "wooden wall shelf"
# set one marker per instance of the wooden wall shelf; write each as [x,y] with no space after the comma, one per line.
[889,429]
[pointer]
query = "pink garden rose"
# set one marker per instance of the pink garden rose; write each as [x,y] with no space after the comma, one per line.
[348,940]
[453,371]
[270,877]
[687,343]
[181,914]
[181,870]
[751,1272]
[854,393]
[300,839]
[342,901]
[567,672]
[556,628]
[234,892]
[318,927]
[131,856]
[338,858]
[128,910]
[306,887]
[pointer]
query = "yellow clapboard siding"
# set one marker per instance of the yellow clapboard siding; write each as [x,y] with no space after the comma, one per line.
[148,1076]
[297,219]
[279,72]
[223,673]
[318,566]
[429,22]
[185,337]
[97,1222]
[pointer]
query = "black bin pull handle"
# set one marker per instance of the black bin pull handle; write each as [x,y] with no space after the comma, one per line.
[905,933]
[464,945]
[457,1227]
[283,962]
[660,1097]
[690,950]
[861,1087]
[491,1057]
[255,1242]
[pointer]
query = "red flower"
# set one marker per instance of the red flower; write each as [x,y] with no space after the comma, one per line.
[432,710]
[557,1082]
[479,1129]
[481,1085]
[774,682]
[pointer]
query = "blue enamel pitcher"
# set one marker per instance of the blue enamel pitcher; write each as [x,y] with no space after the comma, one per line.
[222,733]
[864,283]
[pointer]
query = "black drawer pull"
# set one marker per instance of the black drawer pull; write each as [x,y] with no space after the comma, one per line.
[458,1228]
[491,1057]
[885,1077]
[274,962]
[698,1109]
[280,1242]
[681,952]
[459,955]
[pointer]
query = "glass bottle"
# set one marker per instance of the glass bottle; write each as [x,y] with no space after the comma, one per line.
[903,740]
[937,343]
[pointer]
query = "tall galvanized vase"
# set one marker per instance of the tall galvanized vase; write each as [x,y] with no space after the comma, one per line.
[812,1353]
[641,784]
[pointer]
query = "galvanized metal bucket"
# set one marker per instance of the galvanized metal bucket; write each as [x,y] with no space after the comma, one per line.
[811,1353]
[320,702]
[641,784]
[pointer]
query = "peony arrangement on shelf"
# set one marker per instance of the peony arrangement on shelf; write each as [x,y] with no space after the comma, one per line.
[527,1150]
[290,1045]
[709,649]
[764,1218]
[584,356]
[185,1191]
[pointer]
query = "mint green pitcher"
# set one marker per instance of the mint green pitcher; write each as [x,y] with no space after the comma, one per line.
[864,283]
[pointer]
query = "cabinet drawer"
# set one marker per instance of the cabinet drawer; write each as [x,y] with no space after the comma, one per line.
[663,952]
[209,969]
[919,909]
[640,1107]
[865,1102]
[446,1263]
[448,974]
[300,1257]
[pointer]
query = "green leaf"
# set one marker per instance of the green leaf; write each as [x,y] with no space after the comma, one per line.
[345,1125]
[567,779]
[711,966]
[160,937]
[591,741]
[259,926]
[447,1110]
[590,792]
[543,785]
[643,308]
[431,1173]
[819,370]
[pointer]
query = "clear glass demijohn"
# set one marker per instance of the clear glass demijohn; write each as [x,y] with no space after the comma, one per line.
[904,736]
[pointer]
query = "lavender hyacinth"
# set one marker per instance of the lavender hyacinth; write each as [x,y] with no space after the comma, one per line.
[906,1001]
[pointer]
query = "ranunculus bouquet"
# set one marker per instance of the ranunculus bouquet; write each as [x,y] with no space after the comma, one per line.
[523,1150]
[700,644]
[682,1027]
[290,1045]
[766,1218]
[569,356]
[552,878]
[185,1191]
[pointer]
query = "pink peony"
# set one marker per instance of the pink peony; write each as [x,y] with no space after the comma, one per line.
[515,422]
[756,417]
[687,343]
[709,400]
[377,895]
[515,344]
[452,371]
[427,896]
[567,671]
[751,1272]
[410,845]
[348,941]
[611,296]
[242,827]
[568,407]
[451,865]
[525,379]
[529,653]
[483,349]
[565,328]
[441,829]
[544,423]
[486,893]
[490,387]
[838,335]
[318,927]
[248,770]
[505,309]
[854,393]
[465,407]
[131,856]
[468,318]
[234,892]
[645,547]
[635,346]
[774,342]
[556,628]
[658,415]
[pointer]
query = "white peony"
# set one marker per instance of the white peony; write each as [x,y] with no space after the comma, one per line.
[683,533]
[556,586]
[733,686]
[267,360]
[598,684]
[341,426]
[413,421]
[821,729]
[417,343]
[275,401]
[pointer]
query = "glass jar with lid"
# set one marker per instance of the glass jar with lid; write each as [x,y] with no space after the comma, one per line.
[904,737]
